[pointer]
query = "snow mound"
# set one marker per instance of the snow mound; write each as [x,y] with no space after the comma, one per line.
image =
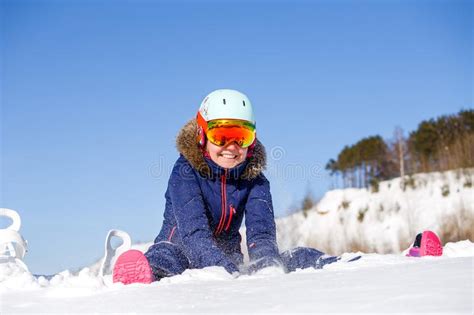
[459,249]
[14,276]
[205,274]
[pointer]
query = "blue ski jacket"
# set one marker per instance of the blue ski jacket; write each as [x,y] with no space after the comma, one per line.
[206,204]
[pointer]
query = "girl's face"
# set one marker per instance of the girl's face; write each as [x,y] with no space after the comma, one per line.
[227,156]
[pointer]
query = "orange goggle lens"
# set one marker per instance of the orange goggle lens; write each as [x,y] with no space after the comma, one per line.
[223,131]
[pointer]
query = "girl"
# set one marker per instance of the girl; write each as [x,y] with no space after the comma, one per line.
[215,183]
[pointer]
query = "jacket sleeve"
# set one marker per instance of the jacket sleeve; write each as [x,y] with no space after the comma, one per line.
[191,220]
[260,226]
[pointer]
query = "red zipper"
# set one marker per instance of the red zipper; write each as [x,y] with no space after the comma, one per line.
[223,204]
[232,211]
[222,221]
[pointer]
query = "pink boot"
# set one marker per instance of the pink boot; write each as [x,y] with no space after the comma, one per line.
[426,244]
[132,267]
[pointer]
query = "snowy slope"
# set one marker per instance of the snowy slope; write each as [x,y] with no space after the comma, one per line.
[386,221]
[376,283]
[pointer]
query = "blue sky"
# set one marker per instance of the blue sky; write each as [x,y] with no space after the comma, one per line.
[93,94]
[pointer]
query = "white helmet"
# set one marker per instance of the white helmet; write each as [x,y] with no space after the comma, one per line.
[226,104]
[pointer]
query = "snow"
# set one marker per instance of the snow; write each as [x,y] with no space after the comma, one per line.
[376,283]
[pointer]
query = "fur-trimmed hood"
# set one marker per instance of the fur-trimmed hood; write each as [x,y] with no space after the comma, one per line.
[187,145]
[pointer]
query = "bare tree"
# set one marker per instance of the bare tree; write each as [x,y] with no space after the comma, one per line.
[400,145]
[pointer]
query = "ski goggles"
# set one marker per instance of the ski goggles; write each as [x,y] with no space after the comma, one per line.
[223,131]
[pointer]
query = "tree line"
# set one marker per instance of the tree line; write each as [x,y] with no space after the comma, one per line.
[440,144]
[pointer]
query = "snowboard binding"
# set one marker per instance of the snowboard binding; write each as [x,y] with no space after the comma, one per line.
[426,244]
[111,252]
[124,264]
[13,246]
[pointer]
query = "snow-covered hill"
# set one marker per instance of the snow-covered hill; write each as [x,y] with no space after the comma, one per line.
[386,221]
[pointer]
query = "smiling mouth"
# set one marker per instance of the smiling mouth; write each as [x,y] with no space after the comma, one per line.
[229,156]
